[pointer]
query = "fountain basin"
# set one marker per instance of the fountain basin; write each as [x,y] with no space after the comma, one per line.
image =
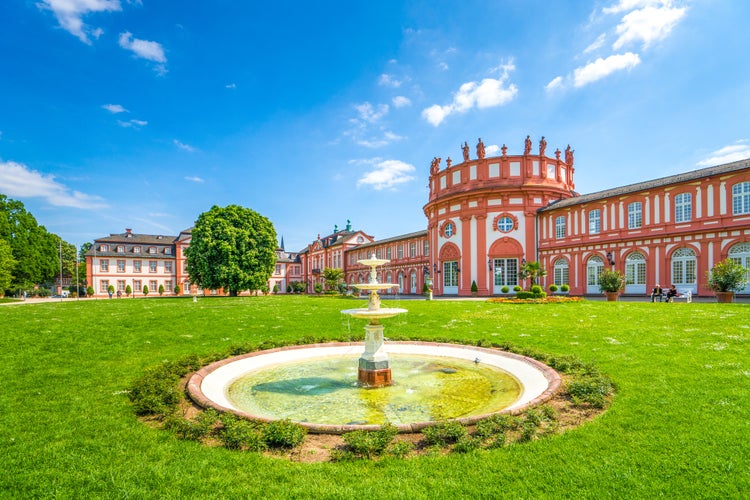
[209,387]
[384,312]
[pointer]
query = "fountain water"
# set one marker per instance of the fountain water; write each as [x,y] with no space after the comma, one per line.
[374,366]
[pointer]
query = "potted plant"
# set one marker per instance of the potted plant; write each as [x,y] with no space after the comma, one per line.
[726,278]
[611,282]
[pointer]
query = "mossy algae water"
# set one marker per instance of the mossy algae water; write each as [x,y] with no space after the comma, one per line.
[325,391]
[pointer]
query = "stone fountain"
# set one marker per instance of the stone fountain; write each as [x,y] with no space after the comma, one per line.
[374,367]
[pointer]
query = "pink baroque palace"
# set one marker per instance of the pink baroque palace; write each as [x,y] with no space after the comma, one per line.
[487,216]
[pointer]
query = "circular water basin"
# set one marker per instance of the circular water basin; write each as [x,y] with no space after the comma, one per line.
[316,386]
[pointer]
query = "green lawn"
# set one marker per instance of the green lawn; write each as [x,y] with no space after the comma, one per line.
[678,427]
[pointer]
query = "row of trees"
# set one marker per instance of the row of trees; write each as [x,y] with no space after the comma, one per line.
[29,254]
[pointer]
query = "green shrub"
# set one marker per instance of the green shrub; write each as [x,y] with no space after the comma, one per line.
[284,434]
[241,434]
[592,390]
[553,288]
[401,448]
[467,444]
[177,290]
[145,289]
[90,291]
[536,289]
[161,289]
[564,287]
[528,432]
[370,443]
[495,425]
[318,288]
[517,288]
[155,392]
[194,430]
[505,289]
[444,433]
[474,288]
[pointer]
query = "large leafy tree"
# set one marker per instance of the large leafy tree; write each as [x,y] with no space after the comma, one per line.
[233,248]
[7,263]
[332,277]
[34,249]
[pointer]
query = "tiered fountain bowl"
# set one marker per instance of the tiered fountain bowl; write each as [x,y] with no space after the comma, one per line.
[374,366]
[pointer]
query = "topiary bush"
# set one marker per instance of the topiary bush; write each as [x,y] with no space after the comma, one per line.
[553,288]
[444,433]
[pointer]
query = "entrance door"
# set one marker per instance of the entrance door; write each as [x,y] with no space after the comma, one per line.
[740,254]
[450,277]
[684,269]
[635,273]
[505,273]
[594,268]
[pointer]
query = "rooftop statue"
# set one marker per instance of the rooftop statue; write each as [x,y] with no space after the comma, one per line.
[435,166]
[542,146]
[480,149]
[527,145]
[465,150]
[569,155]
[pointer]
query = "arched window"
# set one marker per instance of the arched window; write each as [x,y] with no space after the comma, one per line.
[413,282]
[594,267]
[684,269]
[561,272]
[740,253]
[635,273]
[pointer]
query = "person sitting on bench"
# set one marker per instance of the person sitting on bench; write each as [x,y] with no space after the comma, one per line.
[656,293]
[671,293]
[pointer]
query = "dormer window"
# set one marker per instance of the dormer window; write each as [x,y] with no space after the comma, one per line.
[104,248]
[168,251]
[120,248]
[136,249]
[151,249]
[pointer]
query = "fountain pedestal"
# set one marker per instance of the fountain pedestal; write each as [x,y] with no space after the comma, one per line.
[374,367]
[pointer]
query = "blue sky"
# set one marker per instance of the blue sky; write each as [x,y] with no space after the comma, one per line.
[144,113]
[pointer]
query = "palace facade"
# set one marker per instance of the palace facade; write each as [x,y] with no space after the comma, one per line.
[486,216]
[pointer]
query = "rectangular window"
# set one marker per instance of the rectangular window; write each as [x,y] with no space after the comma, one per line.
[741,198]
[120,249]
[595,221]
[400,251]
[103,286]
[152,286]
[388,253]
[120,266]
[560,227]
[412,249]
[136,249]
[278,268]
[635,215]
[426,248]
[121,286]
[151,249]
[152,266]
[168,286]
[168,251]
[168,266]
[683,207]
[505,272]
[104,248]
[137,266]
[137,286]
[104,265]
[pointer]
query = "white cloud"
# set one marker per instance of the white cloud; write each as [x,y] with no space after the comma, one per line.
[647,25]
[370,113]
[19,181]
[145,49]
[132,123]
[727,154]
[387,138]
[387,80]
[193,179]
[603,67]
[401,101]
[69,14]
[492,150]
[385,174]
[625,5]
[183,146]
[490,92]
[114,108]
[231,86]
[596,44]
[443,66]
[555,83]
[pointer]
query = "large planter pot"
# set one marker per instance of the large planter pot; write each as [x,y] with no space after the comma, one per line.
[724,297]
[612,296]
